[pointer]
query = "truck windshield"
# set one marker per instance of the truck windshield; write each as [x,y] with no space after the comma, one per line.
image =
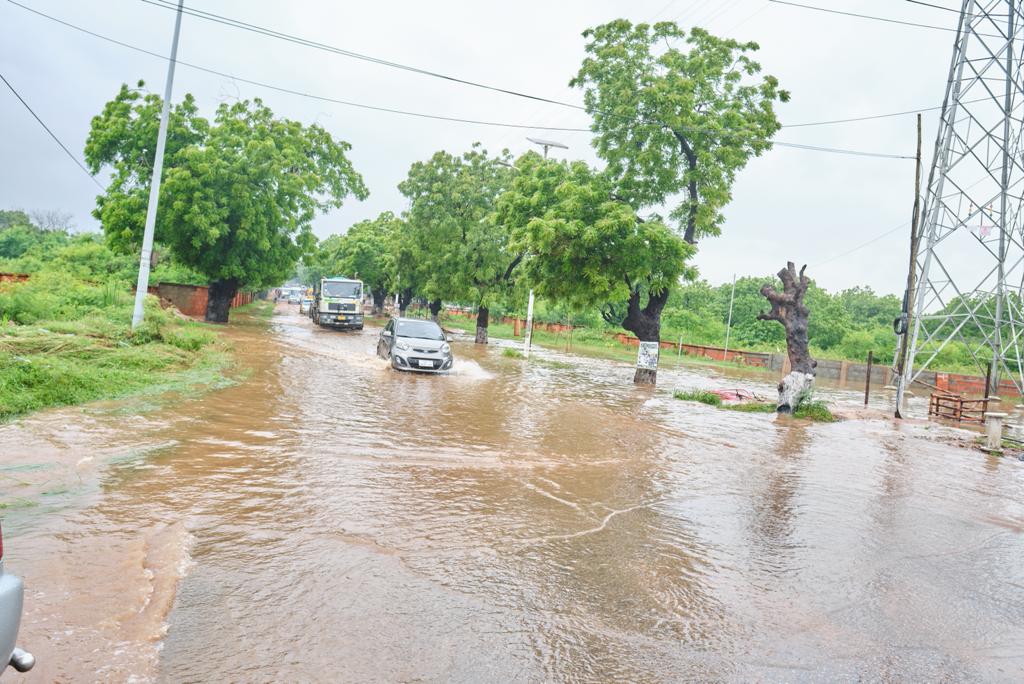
[421,330]
[350,290]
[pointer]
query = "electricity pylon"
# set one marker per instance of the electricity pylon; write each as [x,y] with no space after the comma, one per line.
[970,264]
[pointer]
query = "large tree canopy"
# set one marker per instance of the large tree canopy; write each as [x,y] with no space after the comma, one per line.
[674,119]
[462,254]
[238,194]
[586,247]
[364,252]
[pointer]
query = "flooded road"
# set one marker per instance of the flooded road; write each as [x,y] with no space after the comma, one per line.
[329,519]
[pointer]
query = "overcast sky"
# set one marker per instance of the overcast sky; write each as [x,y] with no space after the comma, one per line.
[790,204]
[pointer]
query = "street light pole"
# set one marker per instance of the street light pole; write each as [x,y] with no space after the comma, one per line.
[145,257]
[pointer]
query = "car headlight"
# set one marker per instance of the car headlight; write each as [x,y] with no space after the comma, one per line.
[446,348]
[401,345]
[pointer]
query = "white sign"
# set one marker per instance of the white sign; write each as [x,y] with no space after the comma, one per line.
[647,355]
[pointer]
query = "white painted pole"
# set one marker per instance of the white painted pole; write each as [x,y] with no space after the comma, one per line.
[529,327]
[142,286]
[728,326]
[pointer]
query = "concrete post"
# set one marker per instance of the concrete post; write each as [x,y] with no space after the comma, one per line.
[994,430]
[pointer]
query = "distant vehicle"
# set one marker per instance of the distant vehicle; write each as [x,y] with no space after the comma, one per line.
[415,345]
[337,303]
[294,298]
[11,597]
[306,305]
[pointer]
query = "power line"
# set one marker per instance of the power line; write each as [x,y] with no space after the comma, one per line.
[836,150]
[52,134]
[298,40]
[290,91]
[868,16]
[862,245]
[360,105]
[402,112]
[928,4]
[874,116]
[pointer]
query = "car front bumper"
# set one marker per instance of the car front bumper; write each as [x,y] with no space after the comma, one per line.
[11,598]
[410,361]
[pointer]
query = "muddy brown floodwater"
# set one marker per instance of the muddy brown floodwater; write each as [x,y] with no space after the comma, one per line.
[329,519]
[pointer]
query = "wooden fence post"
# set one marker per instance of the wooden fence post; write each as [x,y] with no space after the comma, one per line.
[867,378]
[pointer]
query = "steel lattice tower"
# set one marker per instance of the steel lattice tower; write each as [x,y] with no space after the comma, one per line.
[970,262]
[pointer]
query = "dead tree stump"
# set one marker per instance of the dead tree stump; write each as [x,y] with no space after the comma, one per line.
[788,308]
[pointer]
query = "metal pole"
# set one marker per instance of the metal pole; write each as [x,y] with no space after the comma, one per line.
[1004,208]
[915,243]
[142,286]
[529,327]
[728,326]
[679,354]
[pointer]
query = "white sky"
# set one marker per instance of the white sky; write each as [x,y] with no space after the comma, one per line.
[789,205]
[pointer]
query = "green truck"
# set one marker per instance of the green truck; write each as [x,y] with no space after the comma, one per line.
[338,303]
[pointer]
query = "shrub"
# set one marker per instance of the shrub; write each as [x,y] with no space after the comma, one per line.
[815,410]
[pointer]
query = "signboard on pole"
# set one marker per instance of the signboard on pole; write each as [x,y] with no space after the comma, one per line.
[647,355]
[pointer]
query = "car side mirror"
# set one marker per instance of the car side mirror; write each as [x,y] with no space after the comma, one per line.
[386,333]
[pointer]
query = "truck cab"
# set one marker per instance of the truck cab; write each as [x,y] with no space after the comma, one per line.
[338,303]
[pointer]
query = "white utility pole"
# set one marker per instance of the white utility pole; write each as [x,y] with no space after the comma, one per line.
[728,326]
[154,184]
[529,326]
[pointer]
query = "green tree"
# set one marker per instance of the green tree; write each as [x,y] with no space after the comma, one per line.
[238,194]
[463,253]
[670,121]
[13,217]
[675,115]
[364,252]
[587,248]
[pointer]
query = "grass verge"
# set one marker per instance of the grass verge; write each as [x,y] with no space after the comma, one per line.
[91,353]
[816,411]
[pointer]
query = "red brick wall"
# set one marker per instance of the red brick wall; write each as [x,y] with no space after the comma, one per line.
[13,277]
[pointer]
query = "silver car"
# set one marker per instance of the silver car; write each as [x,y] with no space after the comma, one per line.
[11,596]
[415,345]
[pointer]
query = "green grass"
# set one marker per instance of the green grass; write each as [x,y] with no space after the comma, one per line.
[815,410]
[91,353]
[512,353]
[258,308]
[709,398]
[751,407]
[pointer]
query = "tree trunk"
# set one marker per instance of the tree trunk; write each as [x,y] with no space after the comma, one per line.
[404,299]
[218,301]
[788,308]
[645,323]
[482,316]
[378,300]
[435,311]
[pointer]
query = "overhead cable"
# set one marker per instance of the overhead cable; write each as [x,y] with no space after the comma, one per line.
[883,19]
[298,40]
[349,103]
[51,133]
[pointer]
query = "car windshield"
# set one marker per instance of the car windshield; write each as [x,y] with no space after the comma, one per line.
[421,330]
[350,290]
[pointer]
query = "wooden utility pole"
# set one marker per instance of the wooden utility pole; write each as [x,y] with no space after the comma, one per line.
[909,296]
